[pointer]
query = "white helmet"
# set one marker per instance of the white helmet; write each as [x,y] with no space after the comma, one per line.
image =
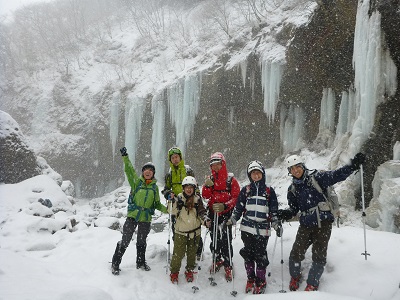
[255,165]
[189,180]
[293,160]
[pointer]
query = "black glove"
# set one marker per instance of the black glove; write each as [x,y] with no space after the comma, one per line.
[358,160]
[279,230]
[123,151]
[179,204]
[284,214]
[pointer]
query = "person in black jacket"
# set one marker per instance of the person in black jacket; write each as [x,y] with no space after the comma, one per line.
[316,217]
[257,205]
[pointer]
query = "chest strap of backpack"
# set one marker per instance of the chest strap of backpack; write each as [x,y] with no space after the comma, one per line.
[140,209]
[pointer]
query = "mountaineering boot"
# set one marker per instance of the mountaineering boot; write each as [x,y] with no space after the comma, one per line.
[143,265]
[310,288]
[218,265]
[189,276]
[228,273]
[140,258]
[259,287]
[249,285]
[294,283]
[115,269]
[116,259]
[174,277]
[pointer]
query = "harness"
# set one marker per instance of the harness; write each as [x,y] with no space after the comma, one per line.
[196,206]
[321,206]
[132,206]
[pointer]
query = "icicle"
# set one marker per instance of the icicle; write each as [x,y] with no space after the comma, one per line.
[396,151]
[375,73]
[292,128]
[341,127]
[114,118]
[327,114]
[243,69]
[271,75]
[134,109]
[183,104]
[158,138]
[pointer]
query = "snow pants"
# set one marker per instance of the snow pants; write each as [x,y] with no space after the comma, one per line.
[318,238]
[184,245]
[127,233]
[255,252]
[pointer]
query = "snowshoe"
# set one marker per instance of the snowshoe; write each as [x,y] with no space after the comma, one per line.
[189,276]
[310,288]
[174,277]
[144,266]
[115,269]
[228,273]
[294,283]
[259,288]
[218,265]
[249,285]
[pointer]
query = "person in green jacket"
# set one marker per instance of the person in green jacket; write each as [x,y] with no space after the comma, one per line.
[143,200]
[173,184]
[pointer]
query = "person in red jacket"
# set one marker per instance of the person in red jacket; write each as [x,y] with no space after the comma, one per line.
[221,190]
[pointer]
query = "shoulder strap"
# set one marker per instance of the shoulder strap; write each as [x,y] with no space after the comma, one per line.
[229,182]
[317,186]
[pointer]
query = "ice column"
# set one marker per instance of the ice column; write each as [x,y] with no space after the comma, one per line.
[243,69]
[327,114]
[292,128]
[114,118]
[374,71]
[134,109]
[158,138]
[271,74]
[396,151]
[183,104]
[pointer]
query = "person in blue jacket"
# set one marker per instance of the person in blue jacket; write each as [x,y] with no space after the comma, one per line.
[257,205]
[315,219]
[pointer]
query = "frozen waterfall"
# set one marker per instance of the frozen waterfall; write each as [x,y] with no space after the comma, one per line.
[134,108]
[292,128]
[375,72]
[183,105]
[271,75]
[158,144]
[114,117]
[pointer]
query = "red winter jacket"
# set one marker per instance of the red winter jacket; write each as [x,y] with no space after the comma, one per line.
[218,193]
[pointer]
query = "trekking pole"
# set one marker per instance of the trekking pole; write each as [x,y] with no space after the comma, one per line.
[169,237]
[365,253]
[214,246]
[233,293]
[273,255]
[282,290]
[196,288]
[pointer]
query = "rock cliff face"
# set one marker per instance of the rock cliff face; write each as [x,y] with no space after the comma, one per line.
[17,159]
[231,117]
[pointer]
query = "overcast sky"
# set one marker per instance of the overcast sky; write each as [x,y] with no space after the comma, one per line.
[8,6]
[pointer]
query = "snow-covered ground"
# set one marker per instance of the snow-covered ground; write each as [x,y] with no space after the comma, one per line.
[44,255]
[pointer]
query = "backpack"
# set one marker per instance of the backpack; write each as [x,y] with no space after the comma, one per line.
[228,182]
[267,191]
[331,198]
[133,206]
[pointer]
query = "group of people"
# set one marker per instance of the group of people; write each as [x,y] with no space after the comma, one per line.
[220,204]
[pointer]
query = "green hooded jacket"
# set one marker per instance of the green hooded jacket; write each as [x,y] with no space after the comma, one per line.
[174,177]
[143,198]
